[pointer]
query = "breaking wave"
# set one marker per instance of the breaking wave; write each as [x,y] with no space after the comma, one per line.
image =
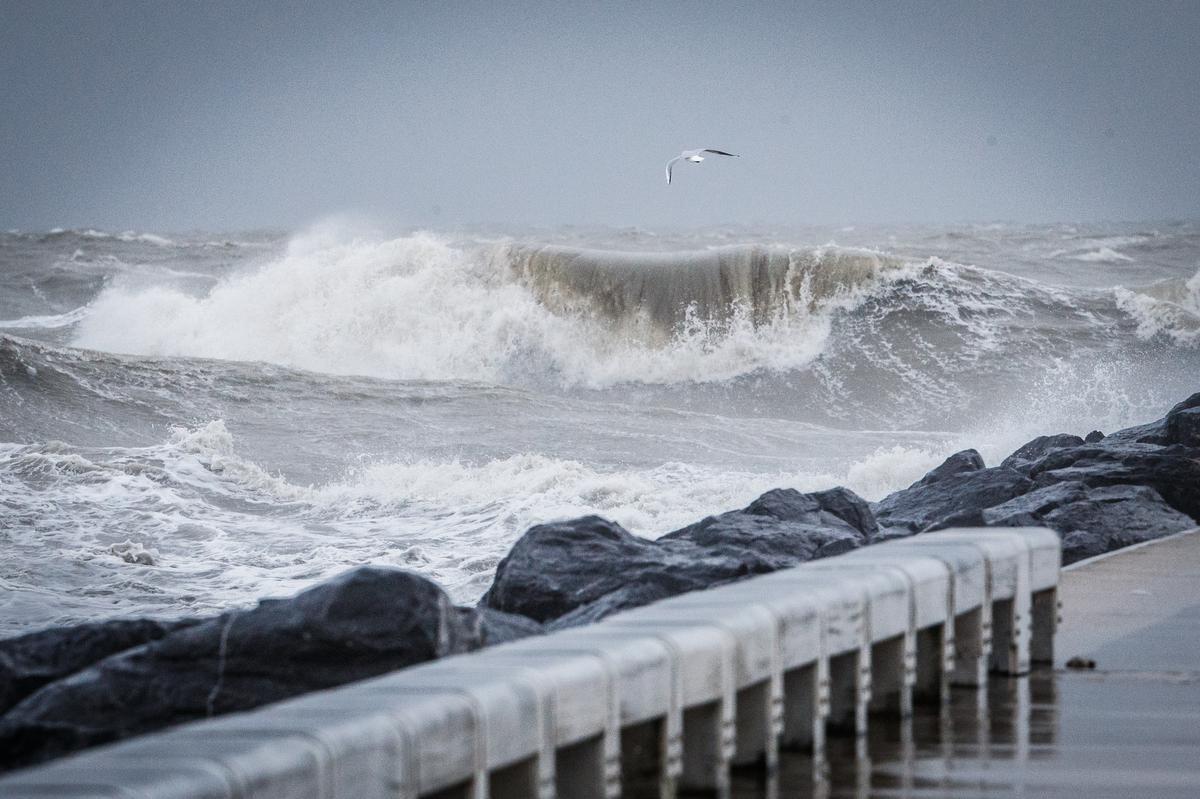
[191,523]
[419,308]
[1169,309]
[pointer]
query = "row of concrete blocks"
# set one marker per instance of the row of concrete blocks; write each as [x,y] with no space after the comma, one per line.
[669,696]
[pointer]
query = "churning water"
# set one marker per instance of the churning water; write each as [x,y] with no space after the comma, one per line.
[197,421]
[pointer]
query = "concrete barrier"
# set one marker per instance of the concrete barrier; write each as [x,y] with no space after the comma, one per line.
[666,697]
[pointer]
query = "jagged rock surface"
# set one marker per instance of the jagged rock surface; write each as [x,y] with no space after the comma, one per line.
[1173,471]
[30,661]
[582,570]
[363,623]
[955,493]
[556,568]
[1032,451]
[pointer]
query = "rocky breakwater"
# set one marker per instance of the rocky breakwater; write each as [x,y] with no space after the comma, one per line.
[68,688]
[1099,493]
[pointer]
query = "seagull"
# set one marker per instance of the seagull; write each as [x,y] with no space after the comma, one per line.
[695,156]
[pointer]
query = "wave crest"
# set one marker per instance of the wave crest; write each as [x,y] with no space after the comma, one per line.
[1169,308]
[659,292]
[418,308]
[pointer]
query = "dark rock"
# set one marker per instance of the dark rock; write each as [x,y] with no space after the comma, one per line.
[1113,517]
[1080,545]
[736,538]
[1181,425]
[70,688]
[1173,471]
[555,568]
[838,546]
[785,525]
[30,661]
[1029,509]
[582,570]
[836,507]
[953,493]
[968,460]
[363,623]
[1030,452]
[498,627]
[969,517]
[1092,521]
[624,598]
[782,543]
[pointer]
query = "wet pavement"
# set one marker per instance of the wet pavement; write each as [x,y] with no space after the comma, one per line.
[1051,734]
[1129,729]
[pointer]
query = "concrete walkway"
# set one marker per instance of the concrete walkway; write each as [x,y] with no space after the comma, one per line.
[1136,609]
[1128,728]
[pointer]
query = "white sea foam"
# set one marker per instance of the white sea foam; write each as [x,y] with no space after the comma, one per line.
[1102,255]
[206,528]
[127,236]
[146,238]
[892,468]
[1170,308]
[46,322]
[418,308]
[1100,249]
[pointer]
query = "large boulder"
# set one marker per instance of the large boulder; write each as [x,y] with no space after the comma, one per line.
[30,661]
[1092,521]
[366,622]
[1030,452]
[1113,517]
[782,544]
[954,493]
[626,597]
[578,571]
[497,627]
[834,508]
[1181,426]
[1173,471]
[555,568]
[784,523]
[1029,510]
[963,462]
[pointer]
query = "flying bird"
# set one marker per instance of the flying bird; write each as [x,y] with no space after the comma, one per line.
[695,156]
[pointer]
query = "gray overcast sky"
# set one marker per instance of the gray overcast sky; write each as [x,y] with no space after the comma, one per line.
[168,115]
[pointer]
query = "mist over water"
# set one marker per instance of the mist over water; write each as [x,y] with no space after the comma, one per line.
[192,421]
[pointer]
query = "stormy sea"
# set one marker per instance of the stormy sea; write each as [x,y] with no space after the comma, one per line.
[190,422]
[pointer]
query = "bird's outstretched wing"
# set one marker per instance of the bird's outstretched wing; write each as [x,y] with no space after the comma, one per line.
[670,164]
[721,152]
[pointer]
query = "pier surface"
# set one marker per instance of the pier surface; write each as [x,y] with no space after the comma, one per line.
[1130,727]
[1136,609]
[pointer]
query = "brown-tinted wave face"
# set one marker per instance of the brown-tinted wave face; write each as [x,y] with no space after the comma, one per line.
[658,292]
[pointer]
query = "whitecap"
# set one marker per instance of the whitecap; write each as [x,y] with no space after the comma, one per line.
[47,321]
[1103,255]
